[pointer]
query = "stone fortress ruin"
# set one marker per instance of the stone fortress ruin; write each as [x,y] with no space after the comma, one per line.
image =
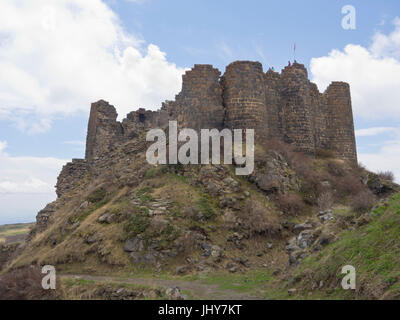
[285,106]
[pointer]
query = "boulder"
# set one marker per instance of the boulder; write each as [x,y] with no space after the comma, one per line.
[106,218]
[134,245]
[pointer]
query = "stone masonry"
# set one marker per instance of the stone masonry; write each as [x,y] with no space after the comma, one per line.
[284,106]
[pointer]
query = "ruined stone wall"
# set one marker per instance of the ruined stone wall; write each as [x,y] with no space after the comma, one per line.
[340,125]
[199,104]
[143,119]
[70,174]
[103,129]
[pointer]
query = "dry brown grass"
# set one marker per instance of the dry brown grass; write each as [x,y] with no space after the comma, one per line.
[386,175]
[290,204]
[258,219]
[363,201]
[325,201]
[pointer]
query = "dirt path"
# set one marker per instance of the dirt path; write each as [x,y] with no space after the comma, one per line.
[196,289]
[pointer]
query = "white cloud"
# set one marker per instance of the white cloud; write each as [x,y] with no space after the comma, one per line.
[25,180]
[27,174]
[373,74]
[56,57]
[3,145]
[387,45]
[368,132]
[75,143]
[386,159]
[386,155]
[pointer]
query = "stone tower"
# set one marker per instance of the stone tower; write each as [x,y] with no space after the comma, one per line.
[244,97]
[340,125]
[296,110]
[103,129]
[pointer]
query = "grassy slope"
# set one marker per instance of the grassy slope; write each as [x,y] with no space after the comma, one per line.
[373,249]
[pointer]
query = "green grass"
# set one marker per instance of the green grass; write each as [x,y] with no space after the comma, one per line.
[97,195]
[374,251]
[144,194]
[205,206]
[250,282]
[77,282]
[84,214]
[137,223]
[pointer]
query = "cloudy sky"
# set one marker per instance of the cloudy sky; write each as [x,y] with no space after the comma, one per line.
[58,56]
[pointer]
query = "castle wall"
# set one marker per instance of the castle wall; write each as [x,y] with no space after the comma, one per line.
[284,106]
[244,97]
[320,118]
[340,125]
[70,174]
[142,119]
[273,108]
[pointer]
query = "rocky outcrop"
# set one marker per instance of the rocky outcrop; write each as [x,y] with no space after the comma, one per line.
[42,220]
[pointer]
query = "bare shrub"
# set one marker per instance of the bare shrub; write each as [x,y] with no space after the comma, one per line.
[256,218]
[24,284]
[325,201]
[386,175]
[336,169]
[363,201]
[348,185]
[358,168]
[290,203]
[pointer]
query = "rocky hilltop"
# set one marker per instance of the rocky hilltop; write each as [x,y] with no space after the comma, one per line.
[116,214]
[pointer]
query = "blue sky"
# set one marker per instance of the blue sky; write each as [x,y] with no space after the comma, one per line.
[70,53]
